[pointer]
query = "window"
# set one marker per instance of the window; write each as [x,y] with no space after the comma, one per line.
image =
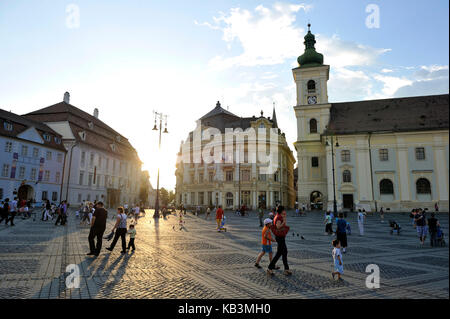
[311,86]
[8,126]
[21,172]
[262,177]
[80,179]
[47,137]
[100,159]
[59,157]
[57,140]
[345,156]
[211,177]
[33,174]
[91,160]
[275,177]
[384,154]
[44,195]
[57,177]
[229,176]
[107,163]
[420,153]
[114,166]
[90,180]
[5,171]
[312,126]
[314,161]
[386,187]
[8,147]
[89,197]
[200,177]
[192,198]
[201,197]
[245,175]
[423,186]
[79,198]
[48,156]
[35,152]
[346,176]
[46,176]
[24,151]
[83,158]
[229,199]
[276,197]
[54,196]
[1,193]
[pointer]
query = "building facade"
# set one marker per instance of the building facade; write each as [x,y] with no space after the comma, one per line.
[390,153]
[101,163]
[235,177]
[32,159]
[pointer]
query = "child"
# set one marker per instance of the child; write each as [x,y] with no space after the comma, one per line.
[337,258]
[328,224]
[348,228]
[266,242]
[222,224]
[132,233]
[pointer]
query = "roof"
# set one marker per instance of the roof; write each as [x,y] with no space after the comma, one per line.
[101,136]
[218,110]
[21,124]
[394,115]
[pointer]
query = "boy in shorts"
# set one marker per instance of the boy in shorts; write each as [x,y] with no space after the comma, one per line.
[337,259]
[266,242]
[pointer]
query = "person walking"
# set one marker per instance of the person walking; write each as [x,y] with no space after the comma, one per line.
[341,232]
[132,233]
[12,212]
[5,211]
[337,259]
[59,213]
[436,208]
[208,212]
[137,211]
[328,224]
[361,218]
[280,230]
[433,224]
[219,216]
[421,226]
[98,226]
[260,216]
[382,215]
[121,226]
[266,242]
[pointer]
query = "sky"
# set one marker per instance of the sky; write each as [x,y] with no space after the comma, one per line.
[129,58]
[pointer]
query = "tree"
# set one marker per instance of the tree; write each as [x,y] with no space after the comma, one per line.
[163,196]
[144,190]
[171,197]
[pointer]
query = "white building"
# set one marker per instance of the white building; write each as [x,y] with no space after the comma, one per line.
[390,153]
[31,159]
[101,163]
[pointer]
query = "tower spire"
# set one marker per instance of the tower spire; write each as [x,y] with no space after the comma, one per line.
[274,117]
[310,57]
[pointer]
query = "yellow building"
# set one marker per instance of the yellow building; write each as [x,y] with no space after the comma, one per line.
[390,153]
[224,166]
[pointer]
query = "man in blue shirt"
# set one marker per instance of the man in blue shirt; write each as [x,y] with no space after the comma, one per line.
[341,233]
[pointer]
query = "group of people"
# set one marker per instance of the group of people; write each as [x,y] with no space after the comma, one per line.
[120,230]
[8,211]
[424,226]
[51,211]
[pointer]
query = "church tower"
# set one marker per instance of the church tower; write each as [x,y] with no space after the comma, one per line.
[312,112]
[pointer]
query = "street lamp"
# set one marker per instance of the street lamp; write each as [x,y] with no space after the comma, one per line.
[160,117]
[332,164]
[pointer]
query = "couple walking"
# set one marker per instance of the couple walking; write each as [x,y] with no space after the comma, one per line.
[98,226]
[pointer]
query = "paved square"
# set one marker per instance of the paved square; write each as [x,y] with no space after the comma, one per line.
[199,262]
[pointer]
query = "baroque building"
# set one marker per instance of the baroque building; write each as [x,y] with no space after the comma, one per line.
[31,159]
[235,177]
[390,153]
[101,164]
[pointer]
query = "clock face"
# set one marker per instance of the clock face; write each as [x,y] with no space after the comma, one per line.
[312,100]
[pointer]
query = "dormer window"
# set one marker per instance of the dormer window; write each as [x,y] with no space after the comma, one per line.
[47,137]
[311,86]
[118,138]
[113,147]
[8,126]
[82,135]
[91,125]
[57,140]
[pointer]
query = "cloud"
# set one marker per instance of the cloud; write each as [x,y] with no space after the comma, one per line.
[428,80]
[387,71]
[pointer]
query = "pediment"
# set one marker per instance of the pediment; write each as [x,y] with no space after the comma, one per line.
[31,134]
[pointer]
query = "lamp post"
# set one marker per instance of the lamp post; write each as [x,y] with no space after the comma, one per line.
[332,164]
[160,117]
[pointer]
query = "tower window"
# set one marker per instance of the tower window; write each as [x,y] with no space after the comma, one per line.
[312,126]
[314,161]
[311,86]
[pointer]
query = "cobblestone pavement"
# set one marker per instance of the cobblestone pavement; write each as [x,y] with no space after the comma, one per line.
[199,262]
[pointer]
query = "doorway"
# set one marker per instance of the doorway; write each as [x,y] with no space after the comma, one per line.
[25,192]
[347,199]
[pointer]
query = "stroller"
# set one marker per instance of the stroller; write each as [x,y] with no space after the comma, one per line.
[394,226]
[440,237]
[222,225]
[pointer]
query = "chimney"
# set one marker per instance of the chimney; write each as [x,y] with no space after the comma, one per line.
[96,113]
[67,97]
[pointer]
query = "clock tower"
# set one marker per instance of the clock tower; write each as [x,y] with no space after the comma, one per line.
[313,113]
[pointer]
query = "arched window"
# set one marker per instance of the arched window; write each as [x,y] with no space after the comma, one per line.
[312,126]
[347,176]
[229,199]
[423,186]
[311,86]
[386,187]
